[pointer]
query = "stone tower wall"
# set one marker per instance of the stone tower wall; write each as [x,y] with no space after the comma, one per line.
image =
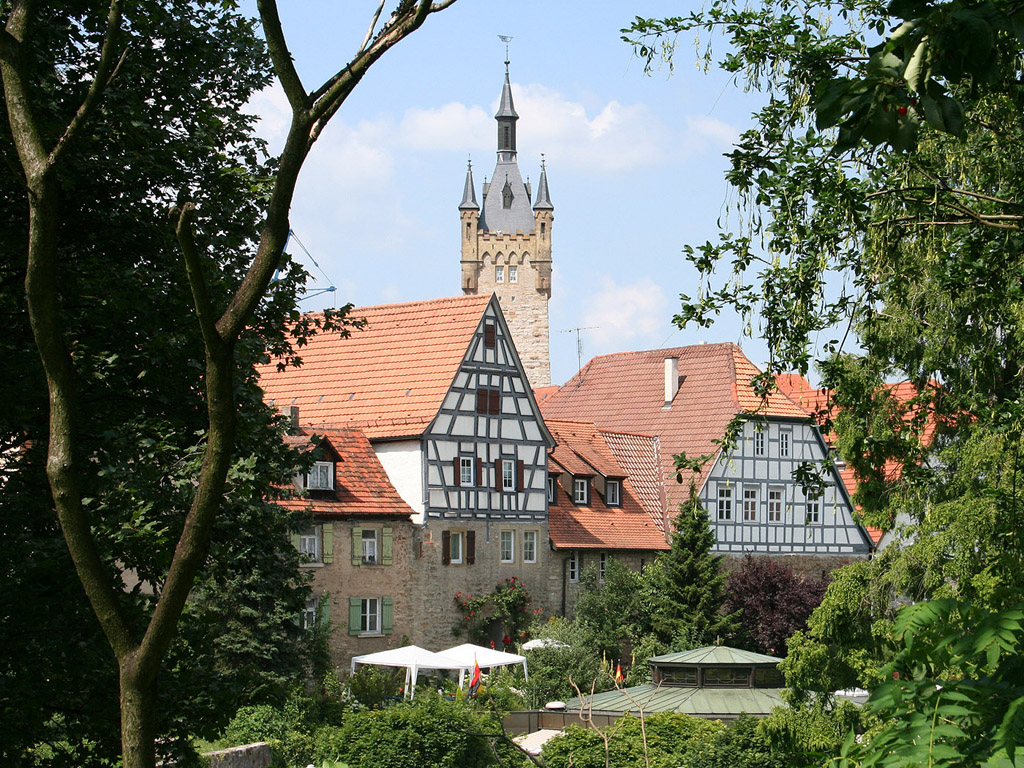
[524,302]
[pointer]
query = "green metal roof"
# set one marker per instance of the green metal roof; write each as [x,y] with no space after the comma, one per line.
[714,703]
[716,654]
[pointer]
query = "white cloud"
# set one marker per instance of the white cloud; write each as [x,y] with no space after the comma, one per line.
[452,127]
[631,316]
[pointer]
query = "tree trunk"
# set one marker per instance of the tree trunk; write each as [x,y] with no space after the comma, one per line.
[138,717]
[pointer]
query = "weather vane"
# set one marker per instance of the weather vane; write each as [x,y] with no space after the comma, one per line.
[506,39]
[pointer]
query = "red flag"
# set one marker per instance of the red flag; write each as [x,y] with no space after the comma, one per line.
[474,682]
[619,677]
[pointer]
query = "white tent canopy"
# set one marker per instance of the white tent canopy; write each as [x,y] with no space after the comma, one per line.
[413,658]
[468,654]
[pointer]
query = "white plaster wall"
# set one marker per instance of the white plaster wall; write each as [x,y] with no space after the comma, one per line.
[403,461]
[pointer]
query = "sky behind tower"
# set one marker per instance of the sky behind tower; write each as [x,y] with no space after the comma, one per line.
[635,162]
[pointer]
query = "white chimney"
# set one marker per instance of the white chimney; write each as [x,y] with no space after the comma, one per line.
[671,378]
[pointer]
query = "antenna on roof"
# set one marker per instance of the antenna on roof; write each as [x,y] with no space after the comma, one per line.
[310,293]
[579,343]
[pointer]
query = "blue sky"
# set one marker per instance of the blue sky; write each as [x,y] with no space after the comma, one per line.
[635,162]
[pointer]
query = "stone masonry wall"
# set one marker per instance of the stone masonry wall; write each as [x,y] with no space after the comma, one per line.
[807,566]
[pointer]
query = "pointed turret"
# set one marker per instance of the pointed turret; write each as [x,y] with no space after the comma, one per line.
[506,205]
[543,196]
[469,202]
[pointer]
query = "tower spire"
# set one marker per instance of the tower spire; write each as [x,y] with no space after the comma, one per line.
[469,202]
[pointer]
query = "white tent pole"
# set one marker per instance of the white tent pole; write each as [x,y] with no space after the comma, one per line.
[526,675]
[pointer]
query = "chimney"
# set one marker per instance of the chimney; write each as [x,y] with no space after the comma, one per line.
[291,412]
[671,379]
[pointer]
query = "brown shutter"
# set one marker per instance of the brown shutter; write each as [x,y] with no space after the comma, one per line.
[482,400]
[479,472]
[446,547]
[470,547]
[520,475]
[498,482]
[488,334]
[495,401]
[457,477]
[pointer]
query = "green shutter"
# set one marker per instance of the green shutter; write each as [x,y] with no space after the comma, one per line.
[324,610]
[357,546]
[355,609]
[385,547]
[295,541]
[387,619]
[328,542]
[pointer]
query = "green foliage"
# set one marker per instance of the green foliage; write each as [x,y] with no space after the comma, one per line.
[427,731]
[954,693]
[568,658]
[672,740]
[505,612]
[373,687]
[810,734]
[685,587]
[609,611]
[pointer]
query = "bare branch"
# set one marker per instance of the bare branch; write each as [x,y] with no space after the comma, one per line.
[105,73]
[373,26]
[284,67]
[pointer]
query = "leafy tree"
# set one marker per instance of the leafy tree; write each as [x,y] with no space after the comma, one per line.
[609,611]
[685,587]
[954,694]
[918,251]
[150,430]
[568,657]
[772,601]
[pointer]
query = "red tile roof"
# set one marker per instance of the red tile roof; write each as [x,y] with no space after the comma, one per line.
[626,392]
[361,486]
[388,378]
[582,449]
[640,457]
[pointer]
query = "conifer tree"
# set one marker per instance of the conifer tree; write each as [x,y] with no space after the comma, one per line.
[686,586]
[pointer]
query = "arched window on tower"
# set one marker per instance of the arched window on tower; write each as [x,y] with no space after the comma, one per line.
[468,230]
[543,229]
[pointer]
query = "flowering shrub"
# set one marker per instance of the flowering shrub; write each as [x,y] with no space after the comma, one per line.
[508,607]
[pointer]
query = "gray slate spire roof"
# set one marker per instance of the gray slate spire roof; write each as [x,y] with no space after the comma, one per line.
[469,202]
[507,205]
[506,108]
[543,196]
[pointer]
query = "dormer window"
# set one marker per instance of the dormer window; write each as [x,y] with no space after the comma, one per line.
[552,490]
[580,490]
[321,476]
[613,493]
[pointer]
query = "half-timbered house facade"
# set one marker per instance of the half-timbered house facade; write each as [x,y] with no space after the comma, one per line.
[689,397]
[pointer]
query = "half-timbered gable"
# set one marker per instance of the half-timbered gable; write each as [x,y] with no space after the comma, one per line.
[486,450]
[688,396]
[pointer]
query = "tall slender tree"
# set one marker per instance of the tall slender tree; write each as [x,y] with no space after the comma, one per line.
[62,71]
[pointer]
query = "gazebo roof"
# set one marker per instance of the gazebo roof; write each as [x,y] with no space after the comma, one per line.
[715,703]
[716,654]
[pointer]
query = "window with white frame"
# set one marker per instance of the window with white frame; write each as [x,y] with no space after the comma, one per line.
[308,617]
[508,546]
[574,566]
[724,502]
[613,493]
[508,474]
[466,471]
[813,511]
[758,441]
[310,544]
[529,546]
[499,274]
[580,490]
[785,438]
[602,567]
[456,547]
[776,498]
[513,274]
[552,490]
[369,616]
[749,504]
[321,476]
[370,546]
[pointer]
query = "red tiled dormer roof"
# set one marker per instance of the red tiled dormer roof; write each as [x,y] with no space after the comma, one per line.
[583,450]
[361,486]
[388,378]
[626,392]
[640,457]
